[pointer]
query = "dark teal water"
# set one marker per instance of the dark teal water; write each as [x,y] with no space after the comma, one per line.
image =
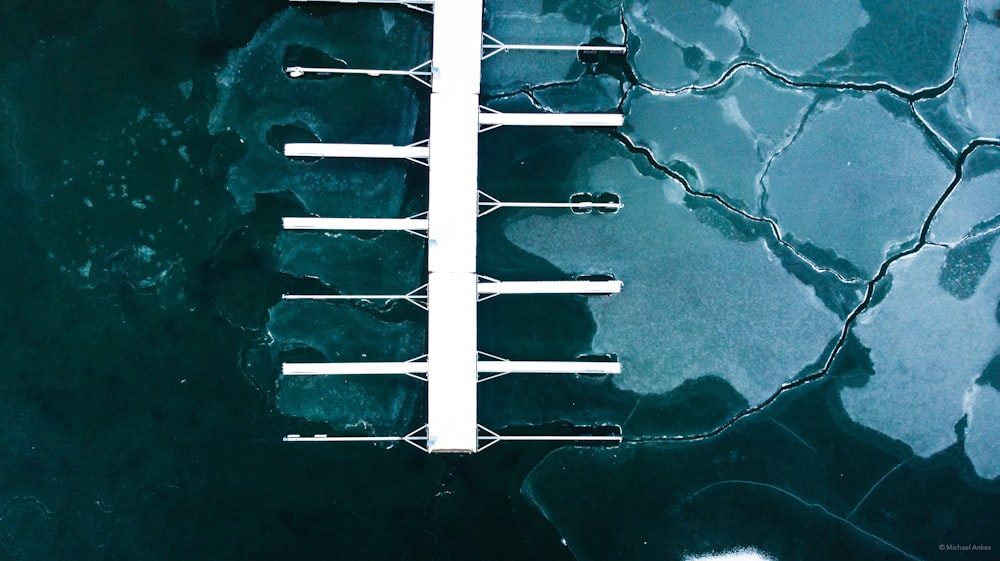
[782,296]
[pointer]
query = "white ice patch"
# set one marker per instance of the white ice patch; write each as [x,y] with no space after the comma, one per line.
[727,141]
[928,348]
[694,304]
[742,554]
[145,253]
[732,115]
[388,21]
[982,440]
[186,87]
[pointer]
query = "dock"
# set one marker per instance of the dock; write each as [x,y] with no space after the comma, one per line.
[453,366]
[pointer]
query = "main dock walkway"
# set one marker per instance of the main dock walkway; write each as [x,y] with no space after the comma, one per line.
[453,362]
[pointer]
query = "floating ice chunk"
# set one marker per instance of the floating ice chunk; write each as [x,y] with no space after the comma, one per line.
[163,121]
[742,554]
[682,315]
[186,87]
[858,180]
[145,253]
[795,35]
[974,201]
[927,348]
[982,440]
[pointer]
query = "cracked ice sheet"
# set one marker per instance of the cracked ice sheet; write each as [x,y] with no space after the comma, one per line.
[721,142]
[695,302]
[969,109]
[859,180]
[910,44]
[928,348]
[694,41]
[975,201]
[679,40]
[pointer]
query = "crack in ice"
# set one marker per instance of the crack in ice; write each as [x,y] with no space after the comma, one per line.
[804,502]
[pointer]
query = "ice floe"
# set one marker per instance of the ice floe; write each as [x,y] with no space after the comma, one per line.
[928,348]
[858,181]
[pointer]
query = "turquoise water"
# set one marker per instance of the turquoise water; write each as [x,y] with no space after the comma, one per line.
[808,329]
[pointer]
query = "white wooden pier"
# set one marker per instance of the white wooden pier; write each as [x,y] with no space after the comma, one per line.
[453,364]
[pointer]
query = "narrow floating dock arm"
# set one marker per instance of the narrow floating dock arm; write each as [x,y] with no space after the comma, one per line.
[416,368]
[492,204]
[484,440]
[417,297]
[412,438]
[494,46]
[419,73]
[490,438]
[496,367]
[412,4]
[417,151]
[491,119]
[413,225]
[601,287]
